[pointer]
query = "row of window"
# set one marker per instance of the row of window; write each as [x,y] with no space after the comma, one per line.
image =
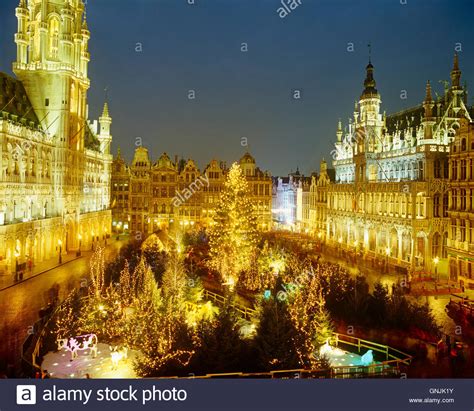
[261,189]
[462,232]
[462,169]
[379,203]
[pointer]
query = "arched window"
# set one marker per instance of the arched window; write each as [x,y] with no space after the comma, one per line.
[445,205]
[436,245]
[53,37]
[444,247]
[436,205]
[463,144]
[437,169]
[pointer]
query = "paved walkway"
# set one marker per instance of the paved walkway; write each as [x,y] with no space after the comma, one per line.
[20,303]
[8,280]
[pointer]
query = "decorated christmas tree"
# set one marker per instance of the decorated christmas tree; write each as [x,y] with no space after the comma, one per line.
[233,236]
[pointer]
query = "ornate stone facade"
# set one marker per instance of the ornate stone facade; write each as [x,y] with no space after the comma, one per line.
[55,164]
[169,193]
[389,198]
[461,206]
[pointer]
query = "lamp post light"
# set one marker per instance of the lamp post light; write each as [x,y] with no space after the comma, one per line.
[387,253]
[320,243]
[436,262]
[60,245]
[339,242]
[80,244]
[17,254]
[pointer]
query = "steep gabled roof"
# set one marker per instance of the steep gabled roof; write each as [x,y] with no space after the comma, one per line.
[405,120]
[15,102]
[91,142]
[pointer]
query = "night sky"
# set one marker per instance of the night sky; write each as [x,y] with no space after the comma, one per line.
[249,94]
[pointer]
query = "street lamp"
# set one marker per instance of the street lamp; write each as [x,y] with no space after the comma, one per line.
[387,252]
[436,262]
[80,244]
[17,254]
[60,245]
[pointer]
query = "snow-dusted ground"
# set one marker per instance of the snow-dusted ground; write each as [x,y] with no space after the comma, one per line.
[58,364]
[347,359]
[338,357]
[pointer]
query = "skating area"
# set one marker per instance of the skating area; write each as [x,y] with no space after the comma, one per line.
[59,365]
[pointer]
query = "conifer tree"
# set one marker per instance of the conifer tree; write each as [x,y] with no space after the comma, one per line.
[275,339]
[233,236]
[220,347]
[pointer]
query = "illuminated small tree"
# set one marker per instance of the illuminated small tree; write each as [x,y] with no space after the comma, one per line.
[66,319]
[310,318]
[97,270]
[127,291]
[174,283]
[233,236]
[158,327]
[139,274]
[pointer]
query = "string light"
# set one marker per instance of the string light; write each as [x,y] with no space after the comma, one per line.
[233,236]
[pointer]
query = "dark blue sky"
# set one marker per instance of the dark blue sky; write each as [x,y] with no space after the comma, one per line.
[249,94]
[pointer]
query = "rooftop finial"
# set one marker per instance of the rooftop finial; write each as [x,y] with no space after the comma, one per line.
[369,82]
[428,96]
[105,112]
[84,22]
[370,52]
[456,73]
[456,62]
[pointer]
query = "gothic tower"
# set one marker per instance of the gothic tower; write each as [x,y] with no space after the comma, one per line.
[52,57]
[428,119]
[104,132]
[367,126]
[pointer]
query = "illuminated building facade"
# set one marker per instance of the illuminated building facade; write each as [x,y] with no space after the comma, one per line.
[176,192]
[288,194]
[390,196]
[318,199]
[260,185]
[216,174]
[461,206]
[303,200]
[55,164]
[284,200]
